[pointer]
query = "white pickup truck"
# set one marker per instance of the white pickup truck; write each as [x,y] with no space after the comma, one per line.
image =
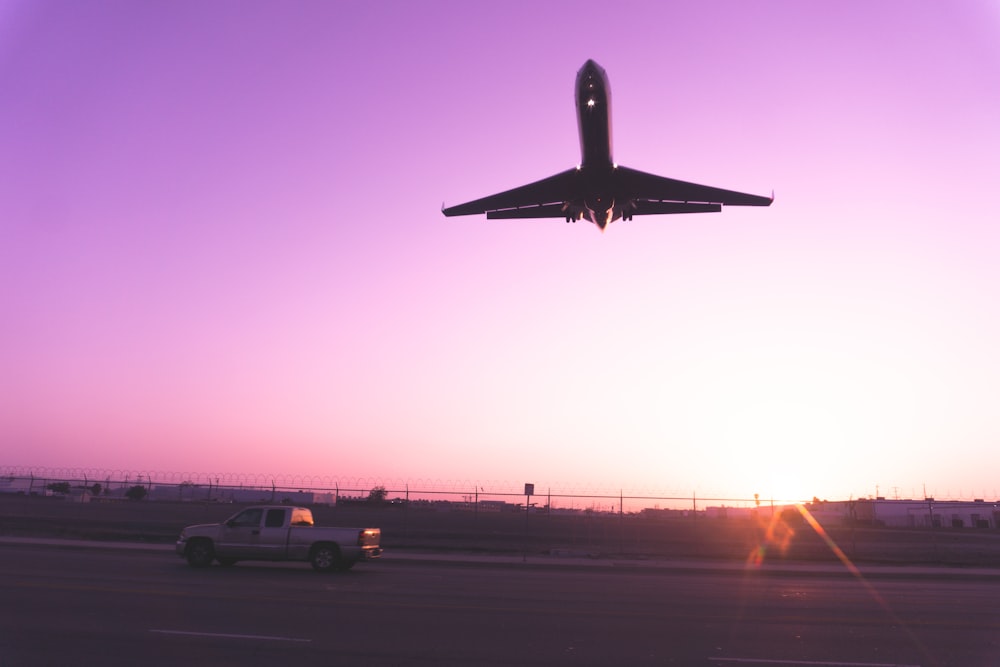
[277,533]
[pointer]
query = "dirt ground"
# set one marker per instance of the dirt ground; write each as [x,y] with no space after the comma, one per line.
[585,535]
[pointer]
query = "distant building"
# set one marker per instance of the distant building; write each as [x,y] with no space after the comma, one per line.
[494,506]
[22,485]
[191,492]
[925,513]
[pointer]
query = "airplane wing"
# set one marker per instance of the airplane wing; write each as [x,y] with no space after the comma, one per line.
[650,192]
[541,199]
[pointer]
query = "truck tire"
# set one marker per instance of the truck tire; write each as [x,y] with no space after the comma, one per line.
[200,553]
[325,557]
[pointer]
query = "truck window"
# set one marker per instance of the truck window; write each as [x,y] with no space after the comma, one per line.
[301,517]
[274,519]
[250,517]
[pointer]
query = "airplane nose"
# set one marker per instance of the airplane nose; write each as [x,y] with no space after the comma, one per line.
[590,70]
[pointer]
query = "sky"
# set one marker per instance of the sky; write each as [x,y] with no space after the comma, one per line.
[221,245]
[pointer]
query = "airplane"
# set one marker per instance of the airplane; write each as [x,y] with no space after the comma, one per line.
[598,190]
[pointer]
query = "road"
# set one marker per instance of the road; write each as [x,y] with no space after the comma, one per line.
[119,607]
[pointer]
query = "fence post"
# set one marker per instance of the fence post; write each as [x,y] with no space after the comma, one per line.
[621,521]
[930,512]
[528,490]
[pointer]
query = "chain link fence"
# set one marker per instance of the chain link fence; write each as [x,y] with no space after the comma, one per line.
[90,484]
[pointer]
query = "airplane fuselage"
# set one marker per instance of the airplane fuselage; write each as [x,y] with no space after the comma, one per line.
[593,115]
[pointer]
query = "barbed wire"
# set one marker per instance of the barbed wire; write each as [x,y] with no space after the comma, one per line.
[420,486]
[319,481]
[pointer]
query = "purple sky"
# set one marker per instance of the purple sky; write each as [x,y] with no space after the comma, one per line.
[221,246]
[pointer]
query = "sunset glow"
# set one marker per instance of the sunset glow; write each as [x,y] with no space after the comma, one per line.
[222,248]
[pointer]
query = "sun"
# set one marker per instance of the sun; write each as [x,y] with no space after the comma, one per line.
[784,449]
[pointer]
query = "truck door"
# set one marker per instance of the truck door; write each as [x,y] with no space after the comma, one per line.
[241,535]
[274,534]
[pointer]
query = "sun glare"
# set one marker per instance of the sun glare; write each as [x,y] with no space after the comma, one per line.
[784,446]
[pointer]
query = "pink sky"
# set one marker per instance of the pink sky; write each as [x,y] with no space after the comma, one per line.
[221,246]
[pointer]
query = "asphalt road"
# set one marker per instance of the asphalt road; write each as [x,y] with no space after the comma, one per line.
[61,606]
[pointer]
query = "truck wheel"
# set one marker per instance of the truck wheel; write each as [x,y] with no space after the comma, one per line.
[200,553]
[325,557]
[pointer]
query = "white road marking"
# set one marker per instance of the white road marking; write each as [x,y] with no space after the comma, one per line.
[808,663]
[224,635]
